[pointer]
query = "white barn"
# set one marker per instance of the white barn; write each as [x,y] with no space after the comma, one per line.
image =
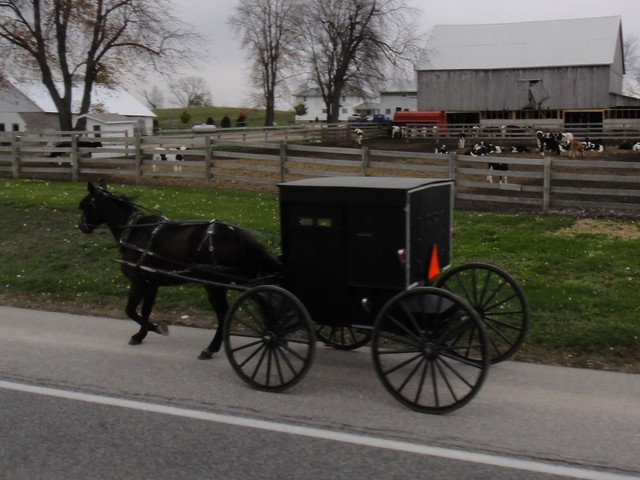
[27,106]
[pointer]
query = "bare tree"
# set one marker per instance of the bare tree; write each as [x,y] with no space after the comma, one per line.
[153,96]
[191,92]
[632,65]
[268,32]
[349,44]
[90,41]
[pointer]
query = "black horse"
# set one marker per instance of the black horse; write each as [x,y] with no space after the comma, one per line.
[213,252]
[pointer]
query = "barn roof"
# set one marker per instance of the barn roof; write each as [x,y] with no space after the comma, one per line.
[108,118]
[103,97]
[555,43]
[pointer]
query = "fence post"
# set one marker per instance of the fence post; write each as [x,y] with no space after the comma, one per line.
[74,157]
[546,186]
[15,154]
[365,161]
[452,165]
[138,156]
[207,159]
[283,160]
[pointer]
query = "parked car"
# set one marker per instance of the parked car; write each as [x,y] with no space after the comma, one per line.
[357,117]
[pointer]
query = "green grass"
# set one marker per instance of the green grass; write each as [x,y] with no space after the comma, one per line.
[170,118]
[581,283]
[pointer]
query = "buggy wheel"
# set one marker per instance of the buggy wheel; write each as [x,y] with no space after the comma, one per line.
[269,338]
[421,343]
[499,301]
[343,337]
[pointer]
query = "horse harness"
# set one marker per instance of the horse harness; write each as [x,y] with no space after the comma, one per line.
[209,263]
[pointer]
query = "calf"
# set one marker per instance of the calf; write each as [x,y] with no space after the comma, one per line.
[174,158]
[462,139]
[478,150]
[442,149]
[520,149]
[502,167]
[549,141]
[398,132]
[576,146]
[359,134]
[594,146]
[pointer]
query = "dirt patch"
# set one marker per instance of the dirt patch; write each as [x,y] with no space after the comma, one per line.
[612,229]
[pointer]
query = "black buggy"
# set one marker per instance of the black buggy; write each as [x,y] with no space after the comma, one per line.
[367,261]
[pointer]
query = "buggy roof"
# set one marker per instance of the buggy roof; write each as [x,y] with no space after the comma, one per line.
[370,191]
[385,183]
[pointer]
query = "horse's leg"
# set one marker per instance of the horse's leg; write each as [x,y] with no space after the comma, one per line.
[147,305]
[218,299]
[145,294]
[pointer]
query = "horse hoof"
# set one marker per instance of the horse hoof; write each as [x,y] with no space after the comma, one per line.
[205,355]
[162,329]
[135,341]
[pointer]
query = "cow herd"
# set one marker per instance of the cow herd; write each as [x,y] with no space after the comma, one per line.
[552,142]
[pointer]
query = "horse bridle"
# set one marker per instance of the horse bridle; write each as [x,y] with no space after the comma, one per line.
[83,224]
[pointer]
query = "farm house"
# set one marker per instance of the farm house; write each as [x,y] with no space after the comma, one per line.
[27,106]
[558,73]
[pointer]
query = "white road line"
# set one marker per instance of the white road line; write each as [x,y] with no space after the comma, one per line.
[447,453]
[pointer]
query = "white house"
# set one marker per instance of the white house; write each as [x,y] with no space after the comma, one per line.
[317,110]
[398,99]
[27,106]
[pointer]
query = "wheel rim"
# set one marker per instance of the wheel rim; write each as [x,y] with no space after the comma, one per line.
[421,350]
[269,339]
[499,301]
[343,337]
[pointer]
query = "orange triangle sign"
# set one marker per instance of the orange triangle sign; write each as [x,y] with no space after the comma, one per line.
[434,264]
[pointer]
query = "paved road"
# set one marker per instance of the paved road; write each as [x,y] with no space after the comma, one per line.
[78,402]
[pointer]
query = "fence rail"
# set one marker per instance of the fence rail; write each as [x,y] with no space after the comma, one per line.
[541,183]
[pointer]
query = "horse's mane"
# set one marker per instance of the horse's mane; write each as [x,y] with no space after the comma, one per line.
[123,200]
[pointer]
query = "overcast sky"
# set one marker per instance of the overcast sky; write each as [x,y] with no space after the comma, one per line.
[226,68]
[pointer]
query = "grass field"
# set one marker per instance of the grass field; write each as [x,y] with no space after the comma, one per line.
[581,276]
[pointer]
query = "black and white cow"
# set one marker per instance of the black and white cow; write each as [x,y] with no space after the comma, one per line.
[628,145]
[398,131]
[548,141]
[520,149]
[556,142]
[359,133]
[593,145]
[500,167]
[481,149]
[161,155]
[442,149]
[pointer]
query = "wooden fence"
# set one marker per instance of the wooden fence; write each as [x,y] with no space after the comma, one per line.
[544,184]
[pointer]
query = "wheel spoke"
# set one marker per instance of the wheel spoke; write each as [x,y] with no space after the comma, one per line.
[443,367]
[283,341]
[499,301]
